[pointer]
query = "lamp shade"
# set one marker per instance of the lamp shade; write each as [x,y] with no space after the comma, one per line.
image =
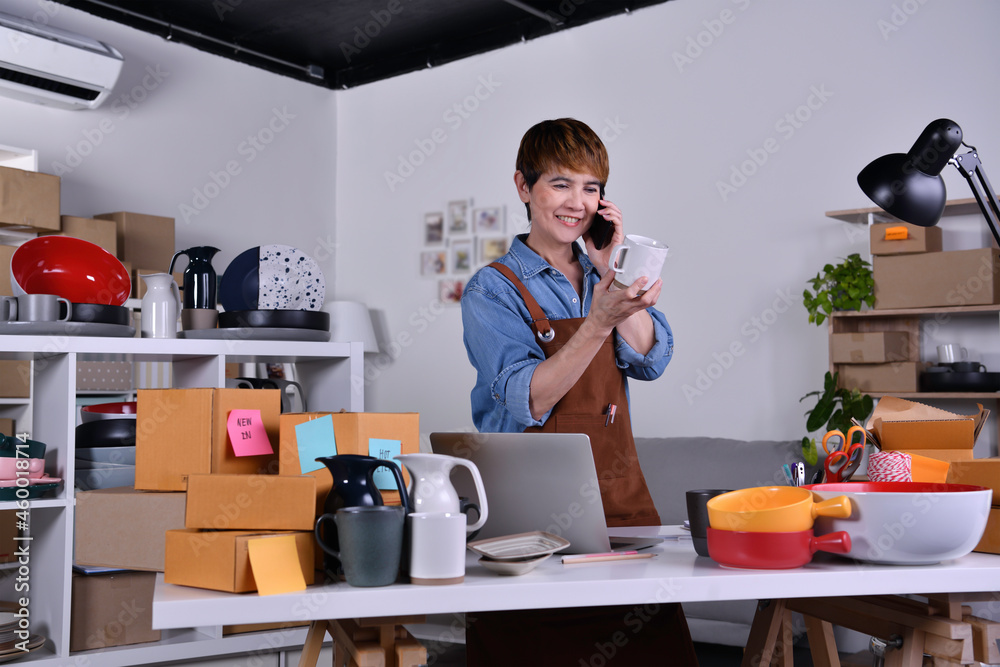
[910,186]
[351,322]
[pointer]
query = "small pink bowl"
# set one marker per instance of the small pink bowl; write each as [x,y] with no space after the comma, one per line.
[9,467]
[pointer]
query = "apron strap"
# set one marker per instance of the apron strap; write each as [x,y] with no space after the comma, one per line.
[538,317]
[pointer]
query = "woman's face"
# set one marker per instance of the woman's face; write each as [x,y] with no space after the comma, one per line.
[563,203]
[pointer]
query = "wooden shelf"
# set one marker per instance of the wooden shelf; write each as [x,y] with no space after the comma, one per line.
[860,215]
[917,395]
[916,312]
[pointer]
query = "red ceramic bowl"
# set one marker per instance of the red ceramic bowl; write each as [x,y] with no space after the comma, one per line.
[74,269]
[100,411]
[772,551]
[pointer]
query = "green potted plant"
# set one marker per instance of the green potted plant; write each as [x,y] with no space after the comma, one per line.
[844,286]
[833,410]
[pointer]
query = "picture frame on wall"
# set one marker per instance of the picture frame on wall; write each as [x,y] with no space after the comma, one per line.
[492,248]
[434,228]
[433,262]
[450,291]
[462,257]
[488,220]
[458,218]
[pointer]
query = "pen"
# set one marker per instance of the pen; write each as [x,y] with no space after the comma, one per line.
[597,558]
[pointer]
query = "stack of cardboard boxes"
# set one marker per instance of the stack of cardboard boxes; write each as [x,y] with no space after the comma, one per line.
[198,505]
[982,472]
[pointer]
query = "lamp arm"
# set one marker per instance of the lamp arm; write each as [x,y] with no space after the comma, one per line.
[972,169]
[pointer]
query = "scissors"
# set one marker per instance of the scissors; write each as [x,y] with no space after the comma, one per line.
[843,455]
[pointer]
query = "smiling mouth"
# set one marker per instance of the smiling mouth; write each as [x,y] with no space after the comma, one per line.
[569,220]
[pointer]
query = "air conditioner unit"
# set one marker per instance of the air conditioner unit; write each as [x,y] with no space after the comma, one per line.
[54,67]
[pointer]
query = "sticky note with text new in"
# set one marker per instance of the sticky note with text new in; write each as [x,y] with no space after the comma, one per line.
[384,449]
[247,434]
[313,439]
[275,565]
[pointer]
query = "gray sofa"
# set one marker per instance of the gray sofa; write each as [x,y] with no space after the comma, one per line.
[672,465]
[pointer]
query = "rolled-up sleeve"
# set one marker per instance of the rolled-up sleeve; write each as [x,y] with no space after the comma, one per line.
[652,364]
[502,348]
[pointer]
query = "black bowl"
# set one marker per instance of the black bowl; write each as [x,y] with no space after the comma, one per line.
[106,433]
[277,319]
[101,313]
[973,381]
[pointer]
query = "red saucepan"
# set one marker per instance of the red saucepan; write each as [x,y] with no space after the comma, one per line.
[772,551]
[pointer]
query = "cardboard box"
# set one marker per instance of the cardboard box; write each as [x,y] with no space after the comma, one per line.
[917,239]
[99,232]
[219,559]
[183,432]
[6,252]
[29,199]
[902,425]
[352,430]
[990,542]
[8,533]
[979,472]
[142,239]
[876,347]
[900,376]
[122,527]
[113,609]
[251,502]
[15,379]
[104,376]
[7,426]
[953,278]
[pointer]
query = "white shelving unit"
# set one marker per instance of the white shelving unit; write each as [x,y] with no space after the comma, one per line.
[332,376]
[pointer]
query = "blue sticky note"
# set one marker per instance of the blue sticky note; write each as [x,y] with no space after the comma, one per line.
[384,449]
[315,438]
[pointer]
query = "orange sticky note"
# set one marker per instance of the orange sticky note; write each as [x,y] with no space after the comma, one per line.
[247,434]
[275,565]
[899,233]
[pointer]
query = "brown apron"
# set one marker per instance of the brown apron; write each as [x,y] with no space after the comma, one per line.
[602,635]
[587,408]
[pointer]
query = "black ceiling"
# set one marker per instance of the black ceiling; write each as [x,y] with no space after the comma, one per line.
[344,43]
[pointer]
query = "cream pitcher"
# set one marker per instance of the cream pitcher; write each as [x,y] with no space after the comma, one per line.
[160,306]
[430,487]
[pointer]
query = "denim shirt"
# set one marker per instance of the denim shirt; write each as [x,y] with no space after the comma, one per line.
[502,345]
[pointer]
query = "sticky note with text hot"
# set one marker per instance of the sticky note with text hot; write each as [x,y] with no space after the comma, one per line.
[275,565]
[384,449]
[247,434]
[313,439]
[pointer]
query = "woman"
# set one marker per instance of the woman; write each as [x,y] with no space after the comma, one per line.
[553,343]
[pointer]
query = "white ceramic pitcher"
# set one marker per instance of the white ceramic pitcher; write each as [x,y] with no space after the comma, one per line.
[430,488]
[160,306]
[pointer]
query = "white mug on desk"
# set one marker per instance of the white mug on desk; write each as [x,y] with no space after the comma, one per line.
[950,353]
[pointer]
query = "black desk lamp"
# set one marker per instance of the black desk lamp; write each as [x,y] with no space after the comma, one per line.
[910,186]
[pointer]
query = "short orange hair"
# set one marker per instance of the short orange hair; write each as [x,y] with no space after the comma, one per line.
[566,143]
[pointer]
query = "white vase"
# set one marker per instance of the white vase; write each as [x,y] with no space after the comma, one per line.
[160,306]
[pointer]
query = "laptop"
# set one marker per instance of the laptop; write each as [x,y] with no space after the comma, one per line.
[536,481]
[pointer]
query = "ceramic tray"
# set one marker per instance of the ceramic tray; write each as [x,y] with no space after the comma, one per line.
[67,329]
[512,568]
[35,490]
[522,546]
[257,333]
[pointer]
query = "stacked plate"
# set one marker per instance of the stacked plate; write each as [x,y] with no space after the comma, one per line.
[271,292]
[105,446]
[11,647]
[513,555]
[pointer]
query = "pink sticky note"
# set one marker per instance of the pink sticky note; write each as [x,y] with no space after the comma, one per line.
[247,434]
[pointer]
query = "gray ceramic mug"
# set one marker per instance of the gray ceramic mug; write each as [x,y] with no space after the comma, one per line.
[35,308]
[371,543]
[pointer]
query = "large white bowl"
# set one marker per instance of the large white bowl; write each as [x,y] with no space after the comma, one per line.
[908,523]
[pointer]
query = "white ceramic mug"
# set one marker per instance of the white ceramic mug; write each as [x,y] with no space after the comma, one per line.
[35,308]
[950,353]
[640,256]
[437,547]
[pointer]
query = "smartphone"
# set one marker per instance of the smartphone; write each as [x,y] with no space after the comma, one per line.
[601,229]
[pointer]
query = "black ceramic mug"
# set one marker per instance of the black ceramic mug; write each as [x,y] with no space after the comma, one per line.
[697,507]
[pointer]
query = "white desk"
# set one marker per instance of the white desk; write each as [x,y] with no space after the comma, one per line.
[677,574]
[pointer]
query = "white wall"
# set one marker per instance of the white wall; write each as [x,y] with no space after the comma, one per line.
[875,74]
[177,117]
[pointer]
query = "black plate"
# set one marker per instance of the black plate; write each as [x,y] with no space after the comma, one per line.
[101,313]
[960,381]
[106,433]
[275,319]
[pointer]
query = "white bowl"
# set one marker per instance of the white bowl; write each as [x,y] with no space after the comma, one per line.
[908,523]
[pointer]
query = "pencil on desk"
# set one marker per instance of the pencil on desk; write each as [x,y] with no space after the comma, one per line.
[597,558]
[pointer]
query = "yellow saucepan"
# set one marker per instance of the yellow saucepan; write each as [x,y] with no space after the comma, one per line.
[775,509]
